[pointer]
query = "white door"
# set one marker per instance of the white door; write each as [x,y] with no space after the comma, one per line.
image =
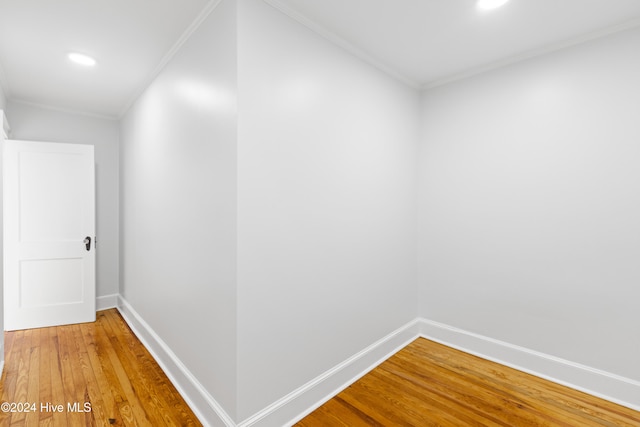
[49,234]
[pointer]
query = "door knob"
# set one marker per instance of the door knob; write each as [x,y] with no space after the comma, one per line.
[87,242]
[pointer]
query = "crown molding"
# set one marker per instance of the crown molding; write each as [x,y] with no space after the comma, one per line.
[61,109]
[208,9]
[530,54]
[341,42]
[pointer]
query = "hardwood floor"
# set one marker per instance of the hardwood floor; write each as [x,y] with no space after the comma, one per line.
[428,384]
[100,367]
[103,365]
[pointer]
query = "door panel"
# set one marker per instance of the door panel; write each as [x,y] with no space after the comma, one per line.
[49,210]
[51,203]
[37,274]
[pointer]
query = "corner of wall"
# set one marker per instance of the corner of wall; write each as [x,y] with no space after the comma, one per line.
[310,396]
[206,408]
[105,302]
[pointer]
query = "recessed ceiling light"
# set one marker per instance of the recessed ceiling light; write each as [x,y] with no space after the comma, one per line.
[490,4]
[81,59]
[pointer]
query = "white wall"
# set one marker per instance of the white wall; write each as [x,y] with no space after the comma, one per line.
[529,204]
[3,103]
[33,123]
[326,205]
[178,211]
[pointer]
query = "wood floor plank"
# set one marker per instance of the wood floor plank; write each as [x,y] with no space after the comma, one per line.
[153,407]
[492,378]
[163,393]
[7,381]
[102,364]
[339,413]
[33,386]
[22,381]
[427,384]
[45,418]
[463,391]
[431,399]
[127,400]
[109,407]
[573,407]
[78,391]
[58,419]
[69,372]
[93,396]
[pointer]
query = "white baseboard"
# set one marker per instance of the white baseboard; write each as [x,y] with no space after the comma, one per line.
[304,400]
[287,410]
[205,407]
[106,301]
[608,386]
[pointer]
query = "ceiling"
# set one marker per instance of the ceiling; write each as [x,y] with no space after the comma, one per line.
[427,42]
[422,42]
[128,38]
